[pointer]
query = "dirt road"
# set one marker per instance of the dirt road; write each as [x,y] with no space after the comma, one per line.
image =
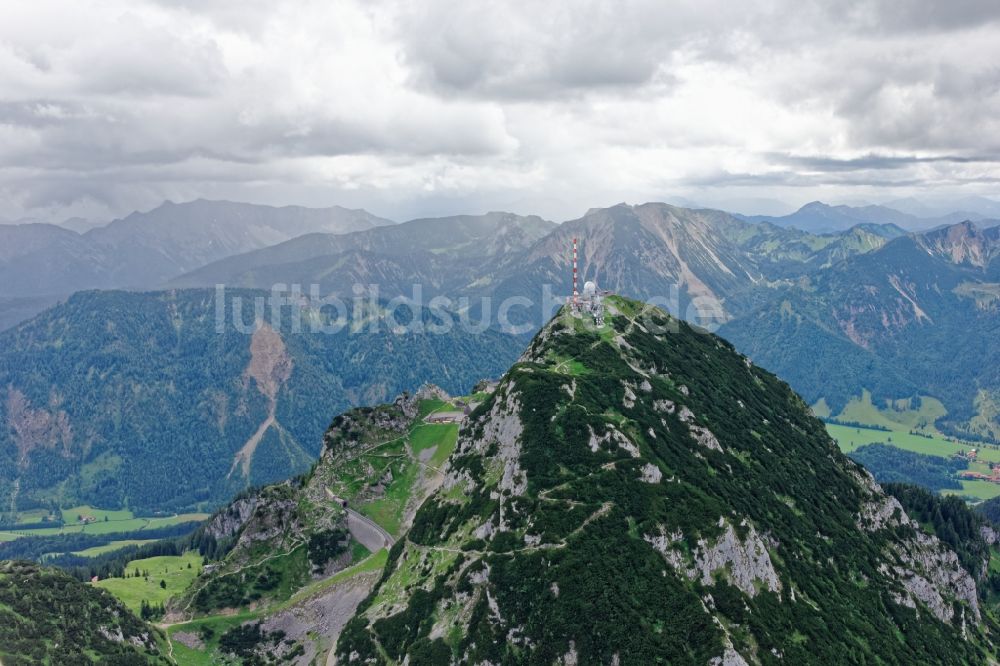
[369,533]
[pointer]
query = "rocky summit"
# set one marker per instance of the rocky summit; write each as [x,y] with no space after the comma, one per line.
[640,493]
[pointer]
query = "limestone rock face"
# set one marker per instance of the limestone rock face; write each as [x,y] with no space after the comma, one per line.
[228,522]
[743,561]
[927,569]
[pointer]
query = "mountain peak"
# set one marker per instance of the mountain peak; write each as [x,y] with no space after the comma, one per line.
[639,492]
[814,206]
[963,243]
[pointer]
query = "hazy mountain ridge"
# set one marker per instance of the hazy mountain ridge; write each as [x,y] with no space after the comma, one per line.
[441,253]
[144,250]
[650,250]
[202,243]
[818,217]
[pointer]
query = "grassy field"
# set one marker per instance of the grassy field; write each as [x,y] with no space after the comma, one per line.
[176,572]
[210,629]
[388,510]
[106,522]
[32,516]
[980,490]
[113,546]
[904,415]
[73,514]
[427,407]
[443,436]
[850,438]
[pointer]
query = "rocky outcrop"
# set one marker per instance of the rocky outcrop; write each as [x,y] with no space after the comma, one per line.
[431,392]
[229,521]
[315,623]
[502,428]
[270,520]
[357,427]
[729,658]
[701,434]
[931,573]
[927,570]
[651,473]
[35,428]
[612,437]
[878,510]
[744,561]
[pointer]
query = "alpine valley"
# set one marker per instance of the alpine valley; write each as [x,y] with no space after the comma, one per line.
[634,493]
[546,491]
[104,392]
[324,342]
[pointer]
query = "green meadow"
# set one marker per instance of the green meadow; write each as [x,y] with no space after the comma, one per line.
[175,572]
[104,522]
[111,547]
[388,511]
[849,438]
[905,415]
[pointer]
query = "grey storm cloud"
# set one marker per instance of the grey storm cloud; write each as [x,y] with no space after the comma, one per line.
[124,103]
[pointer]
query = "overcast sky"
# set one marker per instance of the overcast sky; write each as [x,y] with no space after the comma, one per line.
[428,107]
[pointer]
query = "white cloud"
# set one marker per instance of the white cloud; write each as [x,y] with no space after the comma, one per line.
[416,108]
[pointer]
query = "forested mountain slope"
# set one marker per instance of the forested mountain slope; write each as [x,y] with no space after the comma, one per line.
[917,317]
[643,494]
[46,617]
[137,399]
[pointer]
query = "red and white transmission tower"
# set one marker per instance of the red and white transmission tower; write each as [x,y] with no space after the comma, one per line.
[576,293]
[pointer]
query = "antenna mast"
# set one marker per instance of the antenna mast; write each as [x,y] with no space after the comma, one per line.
[576,292]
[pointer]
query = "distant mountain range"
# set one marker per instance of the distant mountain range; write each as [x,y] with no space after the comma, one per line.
[145,250]
[820,218]
[917,317]
[936,207]
[653,250]
[869,308]
[442,254]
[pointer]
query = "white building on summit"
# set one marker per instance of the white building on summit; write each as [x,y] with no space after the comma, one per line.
[589,301]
